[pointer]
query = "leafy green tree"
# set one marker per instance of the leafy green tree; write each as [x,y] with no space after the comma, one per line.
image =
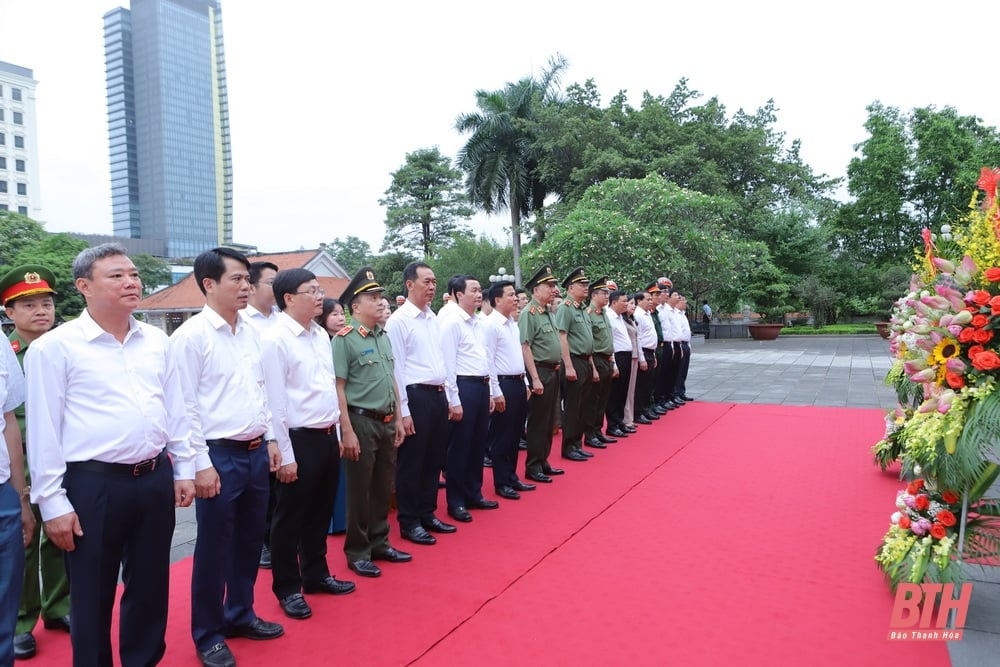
[498,159]
[154,272]
[18,232]
[424,203]
[479,257]
[57,252]
[389,272]
[635,230]
[351,253]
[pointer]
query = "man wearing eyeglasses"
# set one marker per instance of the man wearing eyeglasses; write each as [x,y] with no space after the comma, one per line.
[302,394]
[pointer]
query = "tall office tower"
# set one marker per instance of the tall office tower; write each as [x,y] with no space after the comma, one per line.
[168,124]
[19,191]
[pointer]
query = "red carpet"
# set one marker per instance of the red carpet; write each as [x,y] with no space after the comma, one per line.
[723,534]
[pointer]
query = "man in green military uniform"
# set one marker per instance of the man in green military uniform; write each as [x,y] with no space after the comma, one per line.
[371,425]
[604,364]
[27,294]
[577,344]
[542,356]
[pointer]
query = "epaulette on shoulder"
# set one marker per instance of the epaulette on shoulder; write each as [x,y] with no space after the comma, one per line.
[345,331]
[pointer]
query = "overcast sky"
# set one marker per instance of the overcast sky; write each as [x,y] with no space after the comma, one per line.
[327,98]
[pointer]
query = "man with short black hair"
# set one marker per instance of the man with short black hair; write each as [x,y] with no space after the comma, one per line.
[420,375]
[261,306]
[218,357]
[302,394]
[468,389]
[110,457]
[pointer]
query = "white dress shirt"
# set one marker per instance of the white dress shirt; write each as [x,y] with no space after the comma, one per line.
[502,340]
[299,380]
[462,349]
[11,396]
[93,398]
[668,323]
[646,329]
[619,332]
[223,381]
[416,344]
[683,326]
[261,322]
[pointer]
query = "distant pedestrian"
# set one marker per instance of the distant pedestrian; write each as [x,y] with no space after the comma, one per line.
[706,317]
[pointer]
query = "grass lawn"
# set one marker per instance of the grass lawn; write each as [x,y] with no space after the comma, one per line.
[830,329]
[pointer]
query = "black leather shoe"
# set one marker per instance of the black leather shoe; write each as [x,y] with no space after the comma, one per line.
[643,419]
[295,606]
[617,433]
[365,568]
[584,452]
[686,398]
[265,557]
[393,556]
[61,623]
[259,629]
[418,535]
[605,439]
[554,471]
[459,513]
[652,416]
[436,525]
[25,646]
[658,410]
[482,504]
[574,456]
[522,444]
[595,442]
[629,429]
[507,492]
[329,585]
[487,462]
[539,477]
[217,656]
[521,486]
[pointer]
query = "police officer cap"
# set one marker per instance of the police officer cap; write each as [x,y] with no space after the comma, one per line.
[575,276]
[26,280]
[664,284]
[543,275]
[599,284]
[363,283]
[653,288]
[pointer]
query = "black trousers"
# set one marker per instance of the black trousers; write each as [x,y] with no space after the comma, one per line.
[505,432]
[541,421]
[227,552]
[421,457]
[615,411]
[684,361]
[467,444]
[644,382]
[127,521]
[302,511]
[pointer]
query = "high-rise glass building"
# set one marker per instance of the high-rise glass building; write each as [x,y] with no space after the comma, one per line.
[168,124]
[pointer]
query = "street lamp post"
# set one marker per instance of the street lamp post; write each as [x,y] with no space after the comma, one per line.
[499,276]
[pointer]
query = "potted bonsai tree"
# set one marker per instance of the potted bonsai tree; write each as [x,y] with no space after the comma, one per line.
[770,294]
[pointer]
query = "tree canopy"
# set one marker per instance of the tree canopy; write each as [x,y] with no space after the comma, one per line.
[351,253]
[57,252]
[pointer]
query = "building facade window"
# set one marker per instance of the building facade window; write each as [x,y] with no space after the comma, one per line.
[22,188]
[18,141]
[23,210]
[3,207]
[3,139]
[3,186]
[19,165]
[3,163]
[1,114]
[18,118]
[15,94]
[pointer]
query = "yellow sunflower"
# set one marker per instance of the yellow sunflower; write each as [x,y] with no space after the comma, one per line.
[947,349]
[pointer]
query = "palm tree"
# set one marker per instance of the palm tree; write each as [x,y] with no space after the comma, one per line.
[497,157]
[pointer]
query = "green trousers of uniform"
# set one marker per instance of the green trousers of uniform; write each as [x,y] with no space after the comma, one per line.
[48,596]
[369,489]
[600,392]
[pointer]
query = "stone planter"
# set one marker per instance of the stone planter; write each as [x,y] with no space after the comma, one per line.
[764,331]
[883,329]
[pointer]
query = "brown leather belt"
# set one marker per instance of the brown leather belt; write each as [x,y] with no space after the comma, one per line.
[383,417]
[248,445]
[134,469]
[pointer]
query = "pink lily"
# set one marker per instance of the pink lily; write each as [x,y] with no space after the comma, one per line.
[944,266]
[966,270]
[926,375]
[962,317]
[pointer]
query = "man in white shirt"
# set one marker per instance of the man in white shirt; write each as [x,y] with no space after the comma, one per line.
[302,395]
[501,338]
[684,360]
[615,412]
[420,375]
[218,358]
[17,522]
[107,408]
[468,391]
[644,306]
[261,310]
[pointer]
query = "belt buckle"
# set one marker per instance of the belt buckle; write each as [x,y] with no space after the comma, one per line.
[255,443]
[141,468]
[387,419]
